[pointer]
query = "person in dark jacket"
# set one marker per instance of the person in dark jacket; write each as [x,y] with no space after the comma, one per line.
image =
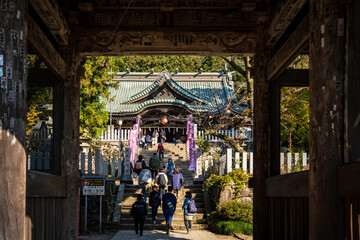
[139,212]
[169,207]
[154,202]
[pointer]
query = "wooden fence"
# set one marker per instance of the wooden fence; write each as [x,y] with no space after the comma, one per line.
[39,161]
[290,162]
[114,135]
[99,165]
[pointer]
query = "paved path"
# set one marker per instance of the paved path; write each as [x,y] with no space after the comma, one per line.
[160,235]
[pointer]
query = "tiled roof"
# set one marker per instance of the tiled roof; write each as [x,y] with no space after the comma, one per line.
[205,92]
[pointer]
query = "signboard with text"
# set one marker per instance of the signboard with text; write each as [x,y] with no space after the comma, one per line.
[94,186]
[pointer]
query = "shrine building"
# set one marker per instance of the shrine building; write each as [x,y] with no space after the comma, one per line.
[164,99]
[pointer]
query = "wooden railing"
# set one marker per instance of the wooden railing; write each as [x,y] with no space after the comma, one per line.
[113,134]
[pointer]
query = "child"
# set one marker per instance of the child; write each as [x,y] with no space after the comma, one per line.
[189,210]
[154,202]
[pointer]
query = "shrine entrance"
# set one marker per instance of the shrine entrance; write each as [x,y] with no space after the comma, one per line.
[321,203]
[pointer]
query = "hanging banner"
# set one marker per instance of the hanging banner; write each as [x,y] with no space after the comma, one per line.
[192,155]
[138,117]
[188,123]
[189,120]
[133,142]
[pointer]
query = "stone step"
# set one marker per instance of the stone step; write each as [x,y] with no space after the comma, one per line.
[127,208]
[197,196]
[161,220]
[131,198]
[178,214]
[199,205]
[158,227]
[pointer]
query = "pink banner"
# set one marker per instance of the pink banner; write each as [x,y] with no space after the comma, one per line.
[188,123]
[138,117]
[133,144]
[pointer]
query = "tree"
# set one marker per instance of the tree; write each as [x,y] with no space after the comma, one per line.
[94,87]
[243,94]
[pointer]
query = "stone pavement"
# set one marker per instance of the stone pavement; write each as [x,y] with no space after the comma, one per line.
[160,235]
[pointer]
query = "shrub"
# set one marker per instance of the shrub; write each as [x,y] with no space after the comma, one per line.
[235,210]
[228,227]
[238,177]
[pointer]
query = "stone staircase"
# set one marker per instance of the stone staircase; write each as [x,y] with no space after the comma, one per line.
[178,154]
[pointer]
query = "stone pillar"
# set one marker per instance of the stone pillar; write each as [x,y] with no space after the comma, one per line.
[261,139]
[13,49]
[326,120]
[228,160]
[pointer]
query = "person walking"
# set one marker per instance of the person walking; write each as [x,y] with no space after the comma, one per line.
[144,180]
[140,164]
[139,212]
[163,137]
[148,141]
[177,182]
[161,180]
[189,207]
[170,166]
[154,165]
[160,150]
[143,141]
[154,202]
[169,207]
[155,137]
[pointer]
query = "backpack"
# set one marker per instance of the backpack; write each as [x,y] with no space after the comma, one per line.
[168,204]
[139,209]
[138,165]
[170,166]
[191,207]
[161,180]
[153,162]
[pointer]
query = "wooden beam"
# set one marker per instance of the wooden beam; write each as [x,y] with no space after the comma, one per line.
[294,78]
[349,180]
[44,185]
[289,185]
[288,51]
[261,140]
[54,19]
[327,64]
[285,12]
[45,49]
[98,41]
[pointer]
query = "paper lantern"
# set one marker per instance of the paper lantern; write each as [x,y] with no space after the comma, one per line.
[164,120]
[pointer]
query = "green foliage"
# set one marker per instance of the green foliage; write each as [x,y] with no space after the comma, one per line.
[183,63]
[300,62]
[235,210]
[93,87]
[294,118]
[229,227]
[238,177]
[203,144]
[37,100]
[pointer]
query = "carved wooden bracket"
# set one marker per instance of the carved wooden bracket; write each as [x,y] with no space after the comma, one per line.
[53,17]
[285,13]
[152,42]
